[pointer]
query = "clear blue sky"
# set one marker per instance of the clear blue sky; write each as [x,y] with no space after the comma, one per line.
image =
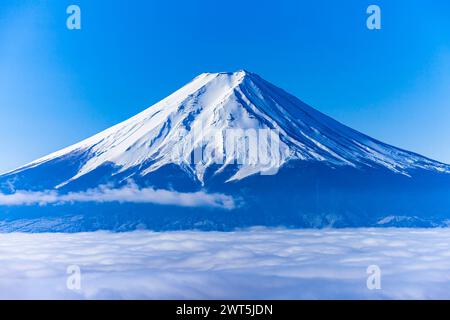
[59,86]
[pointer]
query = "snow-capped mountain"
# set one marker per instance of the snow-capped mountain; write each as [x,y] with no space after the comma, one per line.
[214,102]
[323,160]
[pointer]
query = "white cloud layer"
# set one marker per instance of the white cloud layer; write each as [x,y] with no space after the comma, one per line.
[130,193]
[256,264]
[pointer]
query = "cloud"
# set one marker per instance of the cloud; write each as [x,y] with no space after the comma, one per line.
[130,193]
[248,264]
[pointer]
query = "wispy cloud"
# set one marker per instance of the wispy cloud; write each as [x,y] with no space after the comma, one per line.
[130,193]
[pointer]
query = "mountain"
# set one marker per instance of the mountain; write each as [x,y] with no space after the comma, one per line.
[235,136]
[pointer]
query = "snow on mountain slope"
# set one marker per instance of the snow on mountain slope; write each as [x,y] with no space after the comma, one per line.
[171,131]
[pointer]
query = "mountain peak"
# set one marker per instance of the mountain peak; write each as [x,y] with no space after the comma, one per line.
[216,102]
[240,72]
[205,145]
[238,75]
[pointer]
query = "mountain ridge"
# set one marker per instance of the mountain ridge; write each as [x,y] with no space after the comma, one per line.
[315,172]
[234,100]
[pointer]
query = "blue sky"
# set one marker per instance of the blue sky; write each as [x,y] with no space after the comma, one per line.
[59,86]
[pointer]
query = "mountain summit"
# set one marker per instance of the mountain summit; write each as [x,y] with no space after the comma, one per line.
[215,102]
[208,137]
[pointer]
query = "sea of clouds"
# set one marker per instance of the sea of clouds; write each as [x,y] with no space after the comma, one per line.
[248,264]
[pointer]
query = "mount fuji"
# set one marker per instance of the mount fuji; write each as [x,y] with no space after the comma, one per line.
[141,173]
